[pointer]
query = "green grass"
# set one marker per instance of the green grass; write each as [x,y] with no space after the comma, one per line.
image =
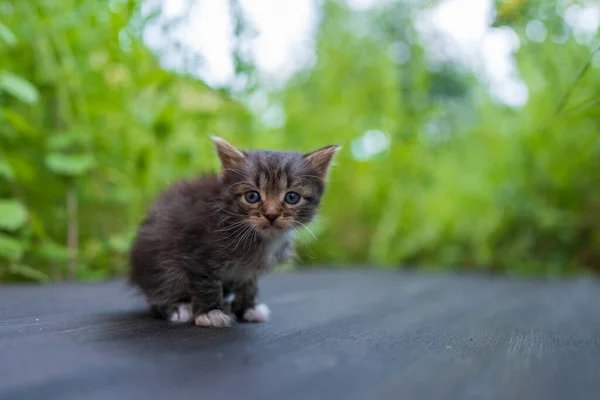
[92,128]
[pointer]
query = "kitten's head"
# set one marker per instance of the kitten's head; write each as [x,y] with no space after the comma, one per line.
[273,191]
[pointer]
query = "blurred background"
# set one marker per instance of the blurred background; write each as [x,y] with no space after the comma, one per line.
[470,128]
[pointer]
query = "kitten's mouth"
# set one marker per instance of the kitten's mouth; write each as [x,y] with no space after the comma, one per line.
[271,228]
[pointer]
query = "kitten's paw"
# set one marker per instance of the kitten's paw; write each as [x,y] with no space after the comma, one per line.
[260,313]
[182,315]
[216,318]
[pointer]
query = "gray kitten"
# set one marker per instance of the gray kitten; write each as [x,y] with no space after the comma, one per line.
[199,252]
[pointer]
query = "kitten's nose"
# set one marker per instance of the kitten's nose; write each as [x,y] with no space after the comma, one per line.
[271,217]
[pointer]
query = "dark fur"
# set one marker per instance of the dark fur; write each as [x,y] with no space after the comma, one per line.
[194,247]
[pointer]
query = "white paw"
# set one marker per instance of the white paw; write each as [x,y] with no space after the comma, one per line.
[260,313]
[216,318]
[182,315]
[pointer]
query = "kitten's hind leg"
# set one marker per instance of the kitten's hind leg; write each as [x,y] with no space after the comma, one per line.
[244,304]
[258,313]
[178,313]
[183,314]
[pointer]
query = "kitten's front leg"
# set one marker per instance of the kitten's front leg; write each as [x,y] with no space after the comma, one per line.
[244,305]
[207,303]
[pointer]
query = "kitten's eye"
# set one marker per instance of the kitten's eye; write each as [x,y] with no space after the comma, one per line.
[252,197]
[292,198]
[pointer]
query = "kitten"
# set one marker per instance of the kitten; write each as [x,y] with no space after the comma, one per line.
[206,241]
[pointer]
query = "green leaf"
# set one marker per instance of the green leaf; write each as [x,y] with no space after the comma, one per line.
[6,171]
[120,242]
[24,170]
[70,164]
[69,140]
[53,252]
[10,249]
[29,272]
[60,142]
[12,215]
[37,226]
[7,35]
[19,123]
[19,87]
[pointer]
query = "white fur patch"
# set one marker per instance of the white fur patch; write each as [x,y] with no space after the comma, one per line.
[229,298]
[259,313]
[183,314]
[275,245]
[216,318]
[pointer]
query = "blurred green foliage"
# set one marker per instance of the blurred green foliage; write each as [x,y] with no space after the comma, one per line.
[91,128]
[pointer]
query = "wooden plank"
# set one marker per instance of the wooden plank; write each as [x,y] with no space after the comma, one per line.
[344,334]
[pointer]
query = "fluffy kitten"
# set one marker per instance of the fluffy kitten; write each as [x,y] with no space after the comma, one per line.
[204,243]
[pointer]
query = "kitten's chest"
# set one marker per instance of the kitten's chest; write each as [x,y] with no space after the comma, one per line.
[258,260]
[274,248]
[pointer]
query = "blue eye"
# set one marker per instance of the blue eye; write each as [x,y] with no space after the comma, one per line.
[292,198]
[252,197]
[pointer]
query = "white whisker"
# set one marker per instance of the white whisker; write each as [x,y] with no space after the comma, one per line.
[249,239]
[232,226]
[230,213]
[306,245]
[247,234]
[235,240]
[307,228]
[235,232]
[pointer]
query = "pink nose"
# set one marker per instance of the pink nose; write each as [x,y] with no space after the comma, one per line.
[271,217]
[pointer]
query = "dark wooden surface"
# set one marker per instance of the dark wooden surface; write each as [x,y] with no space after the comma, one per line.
[333,335]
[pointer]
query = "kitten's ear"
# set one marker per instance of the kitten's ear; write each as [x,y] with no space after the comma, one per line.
[231,158]
[319,160]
